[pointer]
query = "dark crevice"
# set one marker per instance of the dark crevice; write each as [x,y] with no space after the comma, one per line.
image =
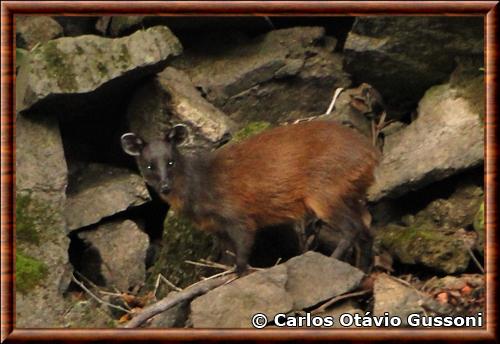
[415,201]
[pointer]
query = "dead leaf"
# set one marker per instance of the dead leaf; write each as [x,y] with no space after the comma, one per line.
[442,298]
[466,290]
[124,318]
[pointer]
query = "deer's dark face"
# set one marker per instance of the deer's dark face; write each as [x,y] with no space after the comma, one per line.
[157,160]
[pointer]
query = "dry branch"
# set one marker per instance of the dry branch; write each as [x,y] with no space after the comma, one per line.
[95,297]
[172,300]
[336,299]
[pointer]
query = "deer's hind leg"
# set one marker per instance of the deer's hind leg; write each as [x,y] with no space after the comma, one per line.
[355,233]
[307,231]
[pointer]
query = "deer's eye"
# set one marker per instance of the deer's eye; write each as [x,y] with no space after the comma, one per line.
[171,163]
[149,167]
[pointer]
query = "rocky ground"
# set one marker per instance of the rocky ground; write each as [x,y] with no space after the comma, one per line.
[84,216]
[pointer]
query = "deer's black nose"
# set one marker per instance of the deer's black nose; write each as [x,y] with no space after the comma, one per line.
[165,188]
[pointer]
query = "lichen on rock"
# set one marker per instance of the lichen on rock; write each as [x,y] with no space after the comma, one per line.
[480,228]
[423,244]
[79,65]
[29,272]
[250,129]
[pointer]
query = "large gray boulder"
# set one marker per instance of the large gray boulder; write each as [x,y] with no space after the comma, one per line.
[395,298]
[100,191]
[248,81]
[446,138]
[72,66]
[172,98]
[232,305]
[313,278]
[42,267]
[301,282]
[403,56]
[119,250]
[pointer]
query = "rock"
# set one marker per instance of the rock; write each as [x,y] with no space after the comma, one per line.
[102,24]
[446,138]
[32,30]
[101,191]
[248,81]
[172,317]
[339,310]
[70,67]
[403,56]
[479,228]
[455,212]
[301,282]
[172,98]
[119,25]
[311,276]
[422,244]
[393,128]
[346,113]
[40,164]
[181,241]
[87,314]
[395,298]
[457,283]
[120,249]
[42,267]
[232,305]
[77,25]
[456,295]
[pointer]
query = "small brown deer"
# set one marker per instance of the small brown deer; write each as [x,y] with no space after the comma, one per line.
[286,175]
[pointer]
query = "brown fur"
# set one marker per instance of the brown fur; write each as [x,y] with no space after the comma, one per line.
[288,172]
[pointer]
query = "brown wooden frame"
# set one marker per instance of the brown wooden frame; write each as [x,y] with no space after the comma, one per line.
[488,9]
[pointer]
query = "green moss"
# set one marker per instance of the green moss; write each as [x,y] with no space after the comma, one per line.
[181,242]
[479,228]
[26,228]
[59,66]
[250,129]
[423,244]
[34,219]
[435,91]
[479,219]
[29,272]
[21,57]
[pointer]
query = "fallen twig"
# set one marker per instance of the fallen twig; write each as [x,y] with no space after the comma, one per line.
[170,301]
[474,259]
[324,306]
[166,281]
[208,264]
[223,273]
[170,284]
[402,281]
[95,297]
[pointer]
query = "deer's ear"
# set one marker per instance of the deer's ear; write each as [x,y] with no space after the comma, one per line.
[177,134]
[132,144]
